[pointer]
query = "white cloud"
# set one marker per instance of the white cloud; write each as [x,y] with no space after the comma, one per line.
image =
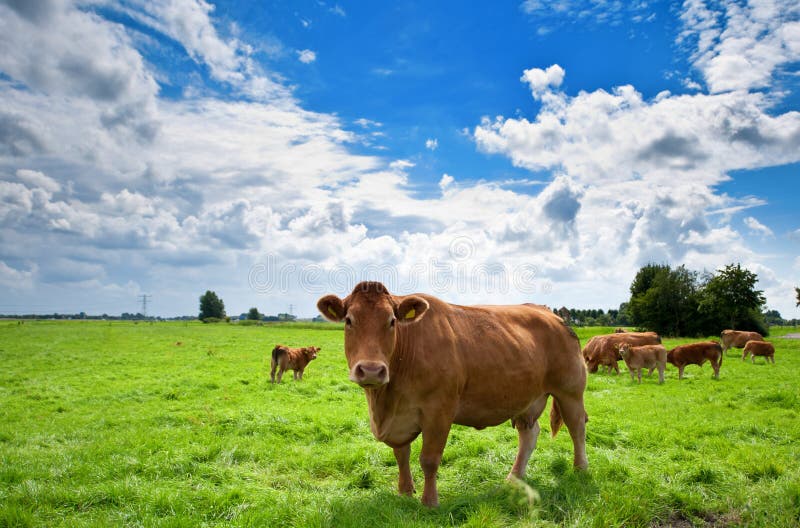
[541,80]
[306,56]
[38,179]
[431,143]
[446,181]
[740,47]
[17,279]
[757,227]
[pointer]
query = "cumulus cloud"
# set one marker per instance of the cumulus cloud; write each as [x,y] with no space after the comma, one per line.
[431,143]
[446,181]
[641,173]
[306,56]
[541,80]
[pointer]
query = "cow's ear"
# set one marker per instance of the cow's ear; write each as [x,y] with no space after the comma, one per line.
[332,308]
[411,309]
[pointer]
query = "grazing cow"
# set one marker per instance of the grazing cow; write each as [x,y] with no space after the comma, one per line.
[696,354]
[425,364]
[620,331]
[285,358]
[759,348]
[738,339]
[650,357]
[604,349]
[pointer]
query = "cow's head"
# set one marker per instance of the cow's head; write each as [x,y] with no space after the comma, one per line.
[371,317]
[311,352]
[623,350]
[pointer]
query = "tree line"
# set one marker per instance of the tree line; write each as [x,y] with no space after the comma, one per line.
[212,310]
[681,302]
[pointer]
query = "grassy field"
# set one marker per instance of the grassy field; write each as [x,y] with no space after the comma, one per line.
[116,424]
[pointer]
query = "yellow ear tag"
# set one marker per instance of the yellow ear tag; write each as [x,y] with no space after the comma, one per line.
[332,312]
[411,314]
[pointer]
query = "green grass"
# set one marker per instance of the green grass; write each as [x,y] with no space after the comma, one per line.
[114,424]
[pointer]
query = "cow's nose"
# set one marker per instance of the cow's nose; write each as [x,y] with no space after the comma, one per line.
[370,373]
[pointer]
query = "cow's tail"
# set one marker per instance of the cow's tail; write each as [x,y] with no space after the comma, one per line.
[277,352]
[556,420]
[721,355]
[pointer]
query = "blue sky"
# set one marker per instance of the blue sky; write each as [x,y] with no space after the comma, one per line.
[501,152]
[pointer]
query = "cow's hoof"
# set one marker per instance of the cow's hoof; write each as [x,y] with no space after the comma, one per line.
[430,502]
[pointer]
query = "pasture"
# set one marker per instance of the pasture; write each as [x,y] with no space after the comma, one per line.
[116,424]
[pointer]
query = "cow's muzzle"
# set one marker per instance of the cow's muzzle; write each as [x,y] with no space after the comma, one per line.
[370,373]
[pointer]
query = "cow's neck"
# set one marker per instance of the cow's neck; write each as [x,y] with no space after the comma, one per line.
[386,402]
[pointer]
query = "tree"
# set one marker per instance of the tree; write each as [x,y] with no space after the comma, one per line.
[211,306]
[253,315]
[731,296]
[664,300]
[797,291]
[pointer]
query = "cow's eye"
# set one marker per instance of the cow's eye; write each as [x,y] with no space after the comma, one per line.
[391,322]
[348,322]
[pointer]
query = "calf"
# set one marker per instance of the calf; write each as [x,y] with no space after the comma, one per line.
[696,354]
[647,356]
[295,359]
[738,339]
[604,349]
[759,348]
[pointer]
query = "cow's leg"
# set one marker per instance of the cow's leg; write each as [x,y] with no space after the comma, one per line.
[405,483]
[281,370]
[715,365]
[680,371]
[272,371]
[434,438]
[527,427]
[630,369]
[616,367]
[650,370]
[661,368]
[574,415]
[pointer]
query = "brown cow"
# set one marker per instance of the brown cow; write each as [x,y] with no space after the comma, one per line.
[295,359]
[620,330]
[696,354]
[604,349]
[759,348]
[650,357]
[738,339]
[425,364]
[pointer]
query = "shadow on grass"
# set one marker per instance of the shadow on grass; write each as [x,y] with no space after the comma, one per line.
[555,497]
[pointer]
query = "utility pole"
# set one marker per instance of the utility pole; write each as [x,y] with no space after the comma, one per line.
[291,309]
[143,298]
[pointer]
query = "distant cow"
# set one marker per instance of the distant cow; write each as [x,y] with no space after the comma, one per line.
[285,358]
[738,339]
[650,357]
[759,348]
[604,349]
[696,354]
[620,331]
[425,364]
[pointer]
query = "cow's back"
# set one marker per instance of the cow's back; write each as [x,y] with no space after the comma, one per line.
[494,360]
[738,338]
